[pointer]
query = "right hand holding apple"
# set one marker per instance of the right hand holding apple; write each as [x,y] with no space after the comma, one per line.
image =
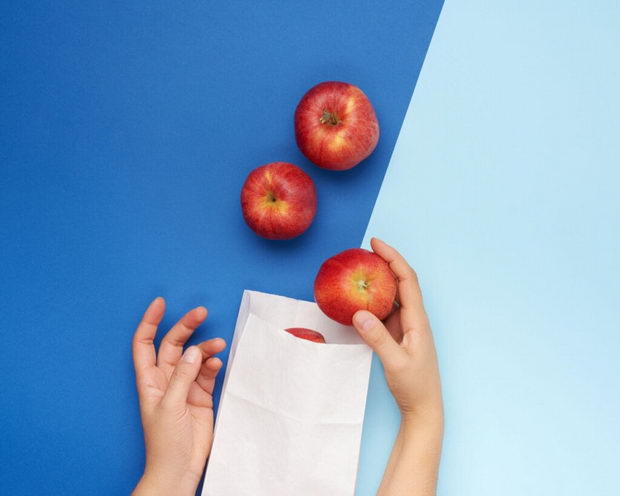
[404,343]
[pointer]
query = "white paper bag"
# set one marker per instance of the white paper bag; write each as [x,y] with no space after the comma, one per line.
[291,411]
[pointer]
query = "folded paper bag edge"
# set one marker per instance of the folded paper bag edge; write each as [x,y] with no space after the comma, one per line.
[302,314]
[246,311]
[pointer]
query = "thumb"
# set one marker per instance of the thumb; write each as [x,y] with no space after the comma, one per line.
[185,373]
[375,335]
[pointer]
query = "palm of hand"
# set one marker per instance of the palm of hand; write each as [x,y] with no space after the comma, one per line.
[189,427]
[412,372]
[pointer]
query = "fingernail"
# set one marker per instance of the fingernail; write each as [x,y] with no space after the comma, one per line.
[191,354]
[364,320]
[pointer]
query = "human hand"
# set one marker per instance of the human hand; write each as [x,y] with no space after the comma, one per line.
[405,346]
[176,405]
[404,343]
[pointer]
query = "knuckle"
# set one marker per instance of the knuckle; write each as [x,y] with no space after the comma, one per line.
[378,337]
[406,273]
[141,340]
[172,341]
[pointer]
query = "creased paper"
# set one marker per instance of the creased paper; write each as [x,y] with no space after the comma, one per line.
[291,411]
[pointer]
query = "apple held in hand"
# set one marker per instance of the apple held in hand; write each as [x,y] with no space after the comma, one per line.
[278,200]
[309,334]
[355,280]
[336,126]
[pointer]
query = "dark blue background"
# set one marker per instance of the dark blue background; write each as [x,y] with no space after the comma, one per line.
[126,131]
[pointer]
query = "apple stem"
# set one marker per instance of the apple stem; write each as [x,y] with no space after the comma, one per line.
[329,118]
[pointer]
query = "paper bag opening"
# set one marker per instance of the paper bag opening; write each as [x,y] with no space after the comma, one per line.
[292,410]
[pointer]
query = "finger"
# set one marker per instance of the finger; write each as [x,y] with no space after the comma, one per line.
[208,373]
[183,377]
[374,333]
[199,397]
[171,347]
[412,311]
[211,347]
[142,344]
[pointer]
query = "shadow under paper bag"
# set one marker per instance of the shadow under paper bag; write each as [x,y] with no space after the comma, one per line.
[291,411]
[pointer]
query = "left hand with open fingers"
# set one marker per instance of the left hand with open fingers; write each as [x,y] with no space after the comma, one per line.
[176,405]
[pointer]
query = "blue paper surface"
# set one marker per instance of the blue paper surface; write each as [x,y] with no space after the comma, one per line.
[503,193]
[126,131]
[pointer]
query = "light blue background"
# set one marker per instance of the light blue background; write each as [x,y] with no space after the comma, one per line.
[503,193]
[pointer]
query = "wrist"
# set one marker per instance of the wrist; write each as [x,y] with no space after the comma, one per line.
[421,435]
[155,483]
[429,418]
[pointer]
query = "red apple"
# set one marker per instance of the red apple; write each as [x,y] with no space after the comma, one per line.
[336,126]
[355,280]
[278,200]
[309,334]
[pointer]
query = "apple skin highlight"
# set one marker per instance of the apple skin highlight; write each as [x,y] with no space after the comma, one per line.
[336,126]
[278,201]
[353,280]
